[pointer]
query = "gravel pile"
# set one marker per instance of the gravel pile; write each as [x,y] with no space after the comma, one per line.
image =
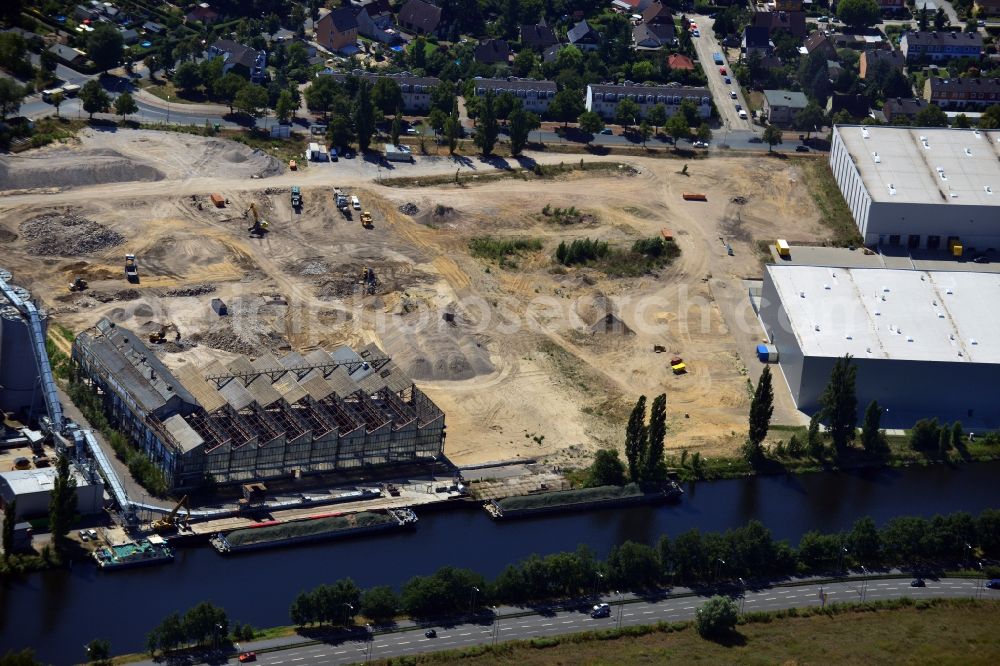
[193,290]
[67,235]
[409,208]
[314,268]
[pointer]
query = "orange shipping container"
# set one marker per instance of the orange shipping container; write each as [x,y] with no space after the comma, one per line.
[218,200]
[694,196]
[667,234]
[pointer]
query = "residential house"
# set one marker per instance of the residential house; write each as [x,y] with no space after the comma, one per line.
[940,45]
[680,61]
[630,6]
[152,27]
[892,6]
[873,60]
[817,41]
[492,52]
[416,90]
[788,5]
[551,53]
[584,37]
[603,98]
[859,41]
[203,13]
[337,29]
[833,69]
[962,93]
[534,95]
[538,37]
[904,107]
[658,14]
[82,13]
[239,58]
[857,105]
[756,40]
[654,36]
[68,54]
[983,8]
[792,22]
[376,22]
[780,106]
[129,36]
[419,17]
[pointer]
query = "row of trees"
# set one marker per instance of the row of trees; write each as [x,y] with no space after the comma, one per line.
[690,558]
[204,624]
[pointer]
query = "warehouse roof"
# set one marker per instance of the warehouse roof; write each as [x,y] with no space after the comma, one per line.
[28,481]
[926,165]
[892,314]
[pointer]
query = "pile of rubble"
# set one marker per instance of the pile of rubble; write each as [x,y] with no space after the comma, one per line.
[67,235]
[193,290]
[409,208]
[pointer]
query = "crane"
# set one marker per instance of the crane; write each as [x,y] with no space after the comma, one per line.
[169,521]
[259,227]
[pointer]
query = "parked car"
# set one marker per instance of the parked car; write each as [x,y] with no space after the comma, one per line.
[248,656]
[732,94]
[355,202]
[738,107]
[802,149]
[607,131]
[700,144]
[981,259]
[722,70]
[994,584]
[431,633]
[601,610]
[755,139]
[696,33]
[918,582]
[728,80]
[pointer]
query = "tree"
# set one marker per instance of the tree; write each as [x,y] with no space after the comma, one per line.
[99,651]
[251,100]
[872,438]
[957,435]
[652,461]
[627,113]
[396,128]
[62,501]
[863,541]
[187,76]
[94,98]
[635,438]
[364,116]
[205,623]
[645,131]
[677,127]
[657,116]
[716,617]
[961,122]
[814,438]
[840,403]
[25,657]
[339,132]
[379,604]
[990,118]
[285,108]
[772,136]
[633,565]
[931,116]
[56,100]
[487,129]
[607,469]
[11,95]
[761,408]
[590,122]
[704,132]
[809,119]
[944,440]
[104,46]
[521,124]
[452,130]
[125,105]
[940,19]
[923,20]
[566,106]
[858,13]
[924,435]
[386,95]
[9,521]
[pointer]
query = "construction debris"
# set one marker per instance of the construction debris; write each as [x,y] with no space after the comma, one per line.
[67,235]
[409,208]
[193,290]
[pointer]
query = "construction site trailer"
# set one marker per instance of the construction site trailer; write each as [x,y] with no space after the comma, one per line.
[398,153]
[317,153]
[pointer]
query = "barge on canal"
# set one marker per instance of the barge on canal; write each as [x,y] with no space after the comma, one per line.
[153,550]
[581,499]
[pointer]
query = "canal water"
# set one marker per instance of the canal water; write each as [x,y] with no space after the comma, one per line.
[56,613]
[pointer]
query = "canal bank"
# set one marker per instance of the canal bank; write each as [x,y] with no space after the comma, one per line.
[56,612]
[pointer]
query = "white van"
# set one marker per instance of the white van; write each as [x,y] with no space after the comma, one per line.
[355,202]
[743,114]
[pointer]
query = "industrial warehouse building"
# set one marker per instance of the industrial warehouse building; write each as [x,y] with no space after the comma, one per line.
[32,488]
[20,387]
[925,343]
[920,187]
[261,419]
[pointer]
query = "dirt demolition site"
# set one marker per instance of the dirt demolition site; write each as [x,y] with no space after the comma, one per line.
[522,357]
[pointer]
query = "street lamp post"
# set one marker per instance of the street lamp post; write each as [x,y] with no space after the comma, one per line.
[496,626]
[370,636]
[864,584]
[168,109]
[719,562]
[843,551]
[347,612]
[472,601]
[597,576]
[621,608]
[743,596]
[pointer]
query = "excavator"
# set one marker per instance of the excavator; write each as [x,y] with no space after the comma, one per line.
[157,337]
[169,522]
[259,227]
[78,284]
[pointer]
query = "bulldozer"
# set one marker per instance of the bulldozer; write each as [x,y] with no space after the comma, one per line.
[169,522]
[366,220]
[78,284]
[160,336]
[259,227]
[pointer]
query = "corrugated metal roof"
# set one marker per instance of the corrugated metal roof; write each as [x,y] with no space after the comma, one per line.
[203,391]
[236,394]
[183,434]
[342,382]
[263,392]
[317,387]
[390,377]
[290,389]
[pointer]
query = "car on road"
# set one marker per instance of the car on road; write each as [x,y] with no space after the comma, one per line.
[695,33]
[742,114]
[728,80]
[411,130]
[732,94]
[755,139]
[824,19]
[601,610]
[739,107]
[722,70]
[700,144]
[981,259]
[994,584]
[607,131]
[431,633]
[802,149]
[918,582]
[248,656]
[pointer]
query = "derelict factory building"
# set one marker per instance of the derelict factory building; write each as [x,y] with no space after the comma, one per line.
[925,343]
[921,187]
[261,419]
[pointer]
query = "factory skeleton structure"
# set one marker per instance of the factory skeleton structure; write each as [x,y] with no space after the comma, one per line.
[264,418]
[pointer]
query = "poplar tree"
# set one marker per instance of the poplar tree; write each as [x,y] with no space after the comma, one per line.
[761,408]
[635,438]
[652,461]
[840,403]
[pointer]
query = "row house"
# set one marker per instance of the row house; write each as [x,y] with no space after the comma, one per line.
[535,95]
[603,99]
[416,90]
[940,45]
[962,93]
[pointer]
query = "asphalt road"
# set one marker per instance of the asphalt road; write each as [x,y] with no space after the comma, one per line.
[634,612]
[705,46]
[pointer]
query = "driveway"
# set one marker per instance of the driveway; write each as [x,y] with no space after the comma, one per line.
[705,46]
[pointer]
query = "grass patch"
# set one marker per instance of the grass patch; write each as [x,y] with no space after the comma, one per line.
[833,210]
[499,249]
[165,89]
[644,256]
[292,148]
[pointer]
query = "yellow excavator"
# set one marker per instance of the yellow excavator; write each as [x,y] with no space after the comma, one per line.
[157,337]
[169,522]
[259,227]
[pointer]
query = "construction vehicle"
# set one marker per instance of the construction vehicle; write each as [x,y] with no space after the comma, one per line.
[78,284]
[296,197]
[341,199]
[259,227]
[293,165]
[131,268]
[169,522]
[368,280]
[366,220]
[160,336]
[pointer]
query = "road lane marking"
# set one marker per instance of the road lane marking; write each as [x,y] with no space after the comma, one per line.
[771,599]
[792,596]
[298,659]
[546,624]
[466,633]
[647,612]
[404,642]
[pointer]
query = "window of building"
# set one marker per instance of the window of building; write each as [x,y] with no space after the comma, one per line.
[933,242]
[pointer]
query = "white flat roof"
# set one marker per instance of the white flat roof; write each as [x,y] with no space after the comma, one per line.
[892,314]
[925,164]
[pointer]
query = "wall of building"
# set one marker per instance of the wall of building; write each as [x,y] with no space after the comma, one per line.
[779,332]
[975,226]
[849,180]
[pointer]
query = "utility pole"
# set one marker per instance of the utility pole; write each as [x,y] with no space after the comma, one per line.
[621,608]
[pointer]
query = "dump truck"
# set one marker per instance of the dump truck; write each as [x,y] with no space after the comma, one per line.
[366,220]
[131,269]
[340,199]
[296,197]
[160,336]
[78,284]
[218,200]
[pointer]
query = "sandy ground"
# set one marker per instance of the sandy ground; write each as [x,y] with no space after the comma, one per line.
[519,371]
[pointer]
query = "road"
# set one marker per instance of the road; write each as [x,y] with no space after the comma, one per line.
[705,46]
[512,625]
